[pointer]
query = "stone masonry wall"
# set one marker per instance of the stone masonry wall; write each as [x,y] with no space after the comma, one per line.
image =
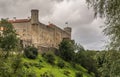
[40,35]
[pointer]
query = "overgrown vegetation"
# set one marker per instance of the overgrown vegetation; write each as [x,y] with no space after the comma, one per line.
[31,52]
[108,61]
[73,59]
[49,57]
[61,64]
[109,10]
[67,50]
[79,74]
[8,38]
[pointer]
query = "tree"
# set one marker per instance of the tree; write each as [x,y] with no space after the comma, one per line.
[66,49]
[110,10]
[85,59]
[79,48]
[108,63]
[8,39]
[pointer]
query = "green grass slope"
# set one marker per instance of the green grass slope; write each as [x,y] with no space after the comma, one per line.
[40,66]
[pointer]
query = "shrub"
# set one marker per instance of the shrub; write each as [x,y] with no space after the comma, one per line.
[16,64]
[66,73]
[49,57]
[47,74]
[31,52]
[38,65]
[43,54]
[61,64]
[79,74]
[84,59]
[27,65]
[31,74]
[73,65]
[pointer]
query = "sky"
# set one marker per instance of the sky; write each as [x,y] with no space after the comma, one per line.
[86,30]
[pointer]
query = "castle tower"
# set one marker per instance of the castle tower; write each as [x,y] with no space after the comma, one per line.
[35,26]
[34,16]
[68,30]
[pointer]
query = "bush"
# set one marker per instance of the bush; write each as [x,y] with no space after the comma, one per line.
[49,57]
[43,54]
[16,64]
[27,65]
[66,73]
[74,65]
[47,74]
[84,59]
[79,74]
[31,75]
[31,52]
[61,64]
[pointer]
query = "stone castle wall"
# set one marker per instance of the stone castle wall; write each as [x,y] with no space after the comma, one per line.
[35,33]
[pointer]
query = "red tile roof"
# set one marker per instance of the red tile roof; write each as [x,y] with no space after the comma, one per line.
[19,20]
[51,25]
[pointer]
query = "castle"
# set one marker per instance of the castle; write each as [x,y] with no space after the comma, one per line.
[33,32]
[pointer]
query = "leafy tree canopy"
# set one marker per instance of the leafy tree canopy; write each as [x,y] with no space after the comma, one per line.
[66,49]
[110,10]
[8,38]
[108,63]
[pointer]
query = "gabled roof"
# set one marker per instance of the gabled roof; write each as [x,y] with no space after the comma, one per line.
[19,20]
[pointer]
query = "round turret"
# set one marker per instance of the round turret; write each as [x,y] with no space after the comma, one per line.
[68,29]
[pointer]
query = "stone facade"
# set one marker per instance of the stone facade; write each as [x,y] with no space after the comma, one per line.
[33,32]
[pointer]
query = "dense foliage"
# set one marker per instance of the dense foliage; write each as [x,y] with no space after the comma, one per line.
[108,63]
[79,74]
[61,64]
[31,52]
[87,61]
[16,65]
[109,9]
[47,74]
[8,37]
[49,57]
[66,49]
[76,54]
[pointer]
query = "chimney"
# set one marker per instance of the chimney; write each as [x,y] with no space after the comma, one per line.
[34,16]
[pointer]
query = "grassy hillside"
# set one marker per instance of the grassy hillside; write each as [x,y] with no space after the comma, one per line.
[40,66]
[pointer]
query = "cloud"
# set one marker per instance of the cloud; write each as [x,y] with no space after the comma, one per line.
[74,12]
[85,29]
[21,8]
[91,35]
